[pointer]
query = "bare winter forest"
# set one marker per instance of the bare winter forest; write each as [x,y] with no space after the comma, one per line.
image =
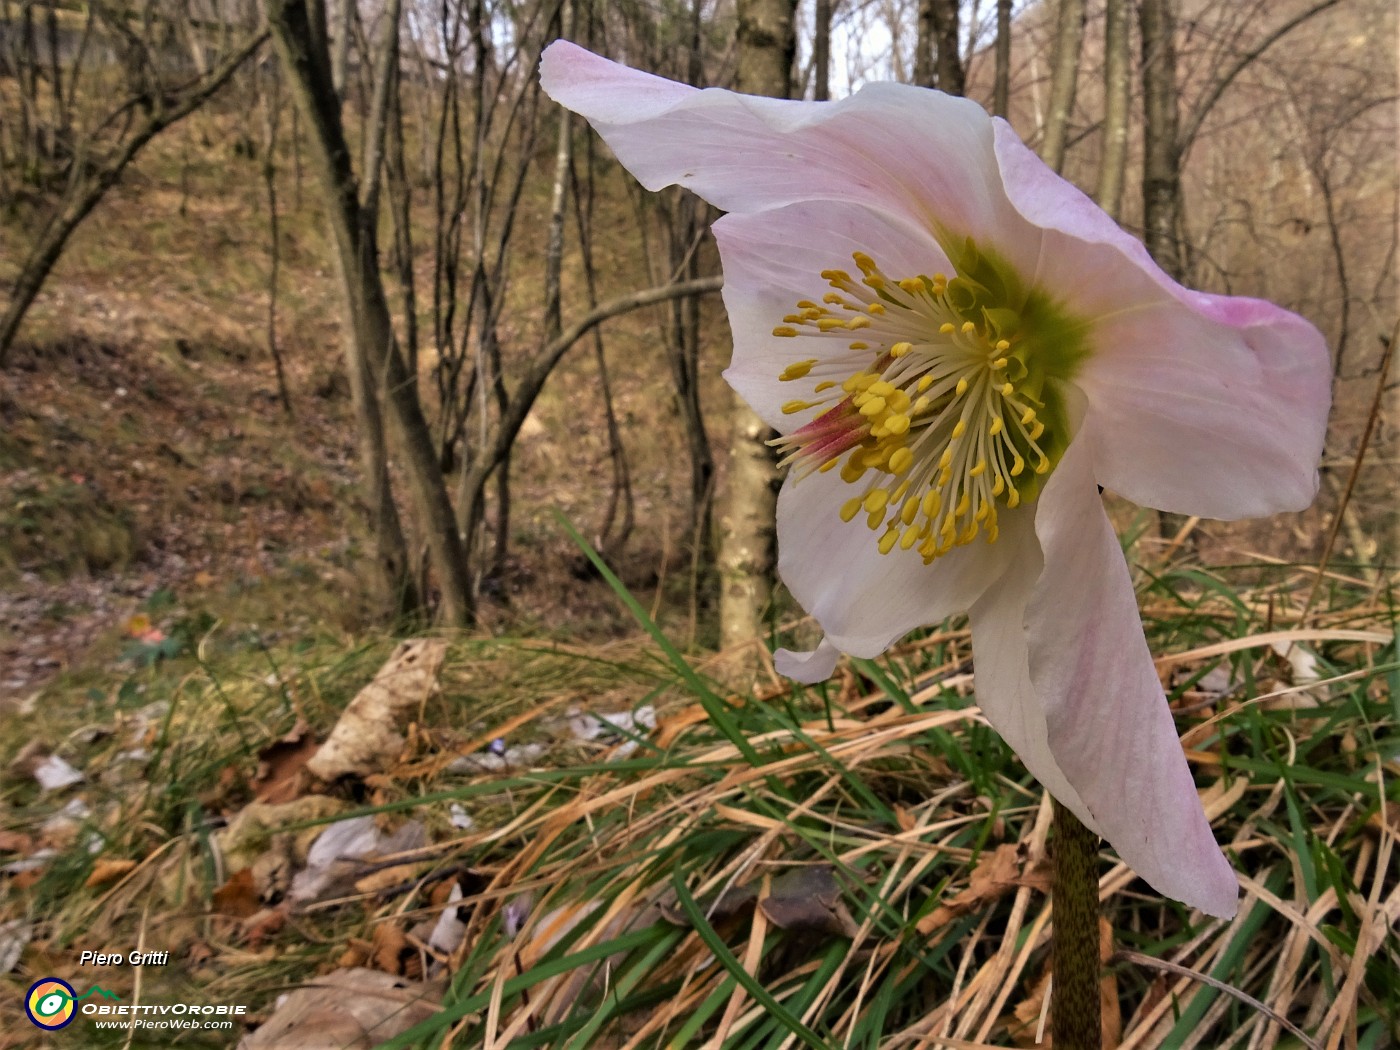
[389,578]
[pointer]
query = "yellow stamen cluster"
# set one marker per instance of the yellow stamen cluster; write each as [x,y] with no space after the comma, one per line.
[936,427]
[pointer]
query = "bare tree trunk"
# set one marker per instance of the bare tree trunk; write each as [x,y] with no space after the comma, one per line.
[766,42]
[1161,168]
[1115,112]
[1064,77]
[1001,90]
[821,52]
[948,66]
[372,345]
[924,45]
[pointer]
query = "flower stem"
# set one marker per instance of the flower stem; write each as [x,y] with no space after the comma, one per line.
[1074,988]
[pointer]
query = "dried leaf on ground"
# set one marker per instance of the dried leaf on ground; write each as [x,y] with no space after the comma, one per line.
[108,870]
[334,861]
[998,873]
[280,765]
[808,900]
[14,936]
[366,739]
[36,761]
[237,898]
[351,1009]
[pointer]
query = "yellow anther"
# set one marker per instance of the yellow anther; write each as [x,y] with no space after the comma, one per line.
[922,402]
[949,530]
[901,459]
[850,508]
[1027,416]
[910,537]
[876,308]
[807,304]
[797,369]
[932,503]
[1007,389]
[859,321]
[860,346]
[827,466]
[1001,362]
[1017,465]
[940,278]
[897,424]
[888,540]
[964,505]
[796,405]
[1003,345]
[874,521]
[833,299]
[968,328]
[959,428]
[983,510]
[1042,464]
[873,406]
[852,470]
[946,459]
[865,262]
[825,384]
[978,470]
[909,511]
[944,476]
[925,381]
[1037,430]
[827,324]
[784,331]
[992,533]
[912,285]
[882,388]
[1013,498]
[998,486]
[813,312]
[997,427]
[876,500]
[836,276]
[900,349]
[795,319]
[947,328]
[962,386]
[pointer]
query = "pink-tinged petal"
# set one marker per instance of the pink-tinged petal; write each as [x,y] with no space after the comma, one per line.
[814,666]
[865,600]
[1001,663]
[1106,718]
[1203,404]
[922,155]
[1199,416]
[774,259]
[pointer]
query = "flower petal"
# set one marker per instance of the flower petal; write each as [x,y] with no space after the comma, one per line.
[1203,404]
[814,666]
[775,258]
[1107,721]
[919,154]
[865,600]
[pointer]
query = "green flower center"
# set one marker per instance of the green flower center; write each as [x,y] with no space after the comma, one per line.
[946,407]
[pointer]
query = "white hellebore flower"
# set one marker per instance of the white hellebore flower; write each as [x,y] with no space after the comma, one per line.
[957,347]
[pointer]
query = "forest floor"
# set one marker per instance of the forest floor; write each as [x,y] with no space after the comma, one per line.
[184,623]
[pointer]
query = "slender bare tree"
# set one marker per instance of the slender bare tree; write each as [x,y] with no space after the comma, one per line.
[766,44]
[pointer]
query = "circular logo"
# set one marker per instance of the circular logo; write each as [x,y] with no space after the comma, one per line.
[49,1003]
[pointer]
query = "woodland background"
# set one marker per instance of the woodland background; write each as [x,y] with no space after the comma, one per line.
[322,322]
